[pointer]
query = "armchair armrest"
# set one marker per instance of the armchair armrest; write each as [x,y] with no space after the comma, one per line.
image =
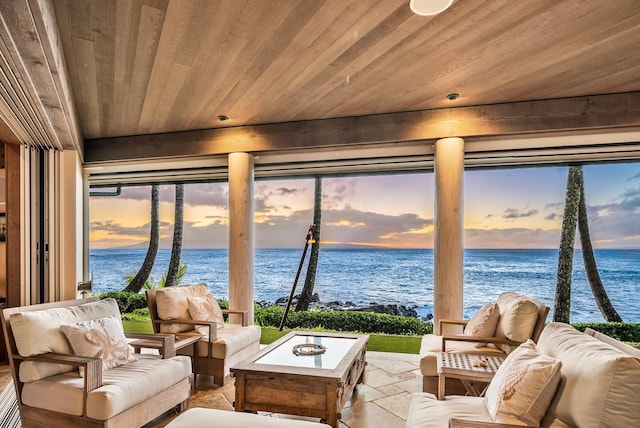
[444,321]
[213,328]
[460,423]
[486,339]
[243,315]
[164,343]
[92,369]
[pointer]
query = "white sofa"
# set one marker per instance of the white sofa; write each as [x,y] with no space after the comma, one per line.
[73,366]
[598,385]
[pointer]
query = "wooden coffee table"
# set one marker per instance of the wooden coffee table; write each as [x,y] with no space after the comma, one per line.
[276,380]
[465,367]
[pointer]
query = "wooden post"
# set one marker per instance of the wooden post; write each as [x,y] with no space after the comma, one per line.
[241,235]
[449,228]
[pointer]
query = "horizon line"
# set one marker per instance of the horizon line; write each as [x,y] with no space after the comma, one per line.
[363,247]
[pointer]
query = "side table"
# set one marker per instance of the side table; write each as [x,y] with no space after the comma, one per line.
[466,368]
[181,341]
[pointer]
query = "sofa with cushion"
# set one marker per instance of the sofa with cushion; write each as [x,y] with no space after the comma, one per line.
[496,329]
[192,310]
[73,366]
[567,379]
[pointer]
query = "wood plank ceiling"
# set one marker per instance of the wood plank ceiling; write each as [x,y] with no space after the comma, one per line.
[156,66]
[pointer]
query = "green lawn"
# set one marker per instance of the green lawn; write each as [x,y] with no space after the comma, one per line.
[377,342]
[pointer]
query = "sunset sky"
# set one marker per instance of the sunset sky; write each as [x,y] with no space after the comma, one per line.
[507,208]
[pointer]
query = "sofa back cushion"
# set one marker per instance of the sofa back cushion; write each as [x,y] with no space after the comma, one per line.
[38,332]
[599,385]
[483,323]
[173,303]
[518,316]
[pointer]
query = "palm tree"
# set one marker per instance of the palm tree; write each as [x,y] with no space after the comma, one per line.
[562,307]
[310,279]
[176,247]
[607,310]
[154,239]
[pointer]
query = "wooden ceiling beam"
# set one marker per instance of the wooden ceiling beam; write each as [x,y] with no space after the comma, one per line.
[579,114]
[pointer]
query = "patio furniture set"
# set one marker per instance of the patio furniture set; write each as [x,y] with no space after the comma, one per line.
[73,365]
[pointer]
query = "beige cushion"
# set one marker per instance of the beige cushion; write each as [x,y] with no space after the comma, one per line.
[205,309]
[518,316]
[523,386]
[199,417]
[431,344]
[483,323]
[172,304]
[39,332]
[600,384]
[103,338]
[230,340]
[122,387]
[426,411]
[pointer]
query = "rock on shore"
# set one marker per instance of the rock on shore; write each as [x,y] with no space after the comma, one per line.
[391,309]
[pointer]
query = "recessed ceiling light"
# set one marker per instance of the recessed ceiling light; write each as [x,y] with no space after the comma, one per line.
[453,96]
[429,7]
[223,117]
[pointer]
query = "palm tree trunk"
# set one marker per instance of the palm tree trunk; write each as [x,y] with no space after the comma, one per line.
[310,279]
[562,307]
[176,247]
[607,310]
[141,277]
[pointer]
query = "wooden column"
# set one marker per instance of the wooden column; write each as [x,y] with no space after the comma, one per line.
[241,234]
[71,224]
[448,240]
[14,244]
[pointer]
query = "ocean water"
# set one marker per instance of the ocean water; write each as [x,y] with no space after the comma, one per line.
[396,276]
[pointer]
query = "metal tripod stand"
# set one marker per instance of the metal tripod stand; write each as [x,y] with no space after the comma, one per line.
[308,240]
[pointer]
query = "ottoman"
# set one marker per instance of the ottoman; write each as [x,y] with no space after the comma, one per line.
[199,417]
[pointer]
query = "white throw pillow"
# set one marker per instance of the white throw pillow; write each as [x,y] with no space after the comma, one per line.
[523,387]
[205,309]
[483,323]
[102,337]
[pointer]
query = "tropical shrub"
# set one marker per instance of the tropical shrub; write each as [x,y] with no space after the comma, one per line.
[139,315]
[133,306]
[127,301]
[625,332]
[151,284]
[354,321]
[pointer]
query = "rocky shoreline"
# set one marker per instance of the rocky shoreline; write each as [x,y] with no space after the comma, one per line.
[391,309]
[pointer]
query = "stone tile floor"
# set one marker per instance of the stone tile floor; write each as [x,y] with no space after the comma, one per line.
[382,401]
